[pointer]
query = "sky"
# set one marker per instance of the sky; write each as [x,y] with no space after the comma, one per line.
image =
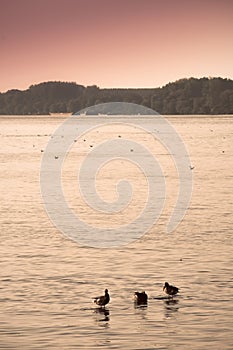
[114,43]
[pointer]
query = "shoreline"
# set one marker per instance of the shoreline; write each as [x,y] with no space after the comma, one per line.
[66,115]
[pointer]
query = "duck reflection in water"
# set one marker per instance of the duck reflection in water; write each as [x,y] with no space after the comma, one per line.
[171,307]
[103,314]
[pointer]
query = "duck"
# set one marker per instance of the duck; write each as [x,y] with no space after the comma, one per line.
[169,289]
[102,300]
[140,298]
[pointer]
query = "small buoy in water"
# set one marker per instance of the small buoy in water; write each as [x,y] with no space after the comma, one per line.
[42,150]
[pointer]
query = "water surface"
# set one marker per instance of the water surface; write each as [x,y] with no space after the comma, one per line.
[47,281]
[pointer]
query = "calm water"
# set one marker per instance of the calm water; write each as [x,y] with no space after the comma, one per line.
[47,281]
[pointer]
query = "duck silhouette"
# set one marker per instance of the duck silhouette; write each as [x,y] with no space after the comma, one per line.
[169,289]
[102,300]
[140,298]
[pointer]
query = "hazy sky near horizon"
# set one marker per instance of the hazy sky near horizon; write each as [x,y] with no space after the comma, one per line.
[114,43]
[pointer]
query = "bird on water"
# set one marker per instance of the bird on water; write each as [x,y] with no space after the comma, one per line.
[102,300]
[140,298]
[169,289]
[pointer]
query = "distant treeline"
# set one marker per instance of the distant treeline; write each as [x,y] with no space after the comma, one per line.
[185,96]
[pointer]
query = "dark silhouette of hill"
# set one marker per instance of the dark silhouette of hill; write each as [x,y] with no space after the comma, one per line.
[184,96]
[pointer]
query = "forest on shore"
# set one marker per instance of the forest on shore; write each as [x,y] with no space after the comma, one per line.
[184,96]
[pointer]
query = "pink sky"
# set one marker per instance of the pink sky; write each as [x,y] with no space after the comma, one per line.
[114,43]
